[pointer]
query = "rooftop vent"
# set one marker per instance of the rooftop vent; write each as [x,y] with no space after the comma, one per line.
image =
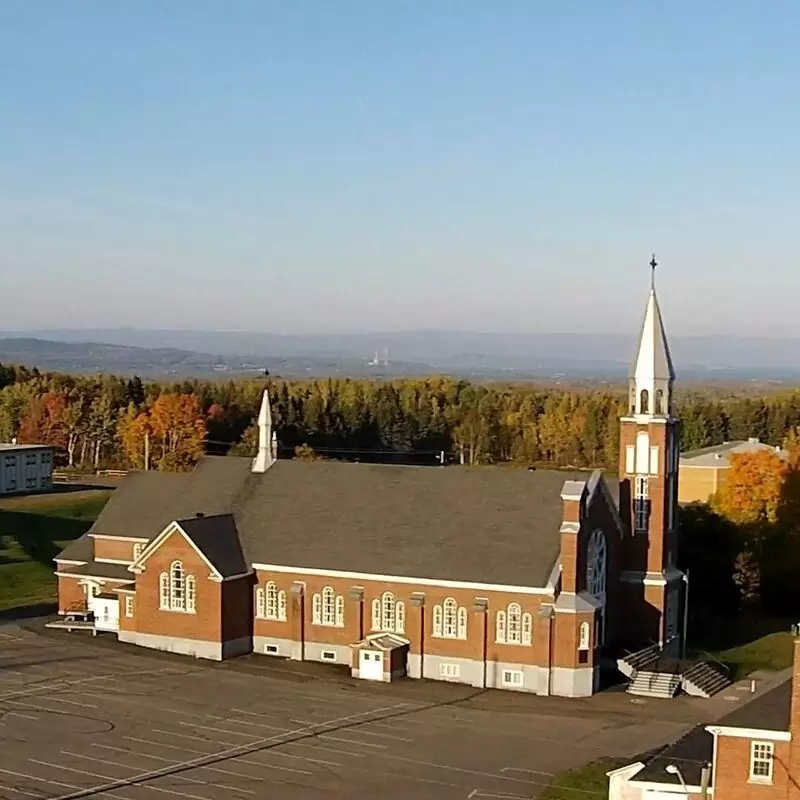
[199,514]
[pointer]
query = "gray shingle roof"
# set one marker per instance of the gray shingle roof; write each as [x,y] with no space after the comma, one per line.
[690,753]
[101,569]
[82,550]
[718,455]
[218,540]
[491,525]
[770,712]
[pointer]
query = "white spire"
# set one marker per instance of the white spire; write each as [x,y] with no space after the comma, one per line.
[266,437]
[653,373]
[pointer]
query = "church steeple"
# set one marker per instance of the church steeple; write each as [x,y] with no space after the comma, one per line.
[267,440]
[653,375]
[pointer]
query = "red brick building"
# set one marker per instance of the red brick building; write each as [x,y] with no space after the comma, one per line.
[492,577]
[752,753]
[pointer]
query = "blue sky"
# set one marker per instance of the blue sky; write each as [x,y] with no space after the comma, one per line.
[350,166]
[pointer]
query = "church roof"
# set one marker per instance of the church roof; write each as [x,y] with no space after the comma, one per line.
[653,359]
[488,525]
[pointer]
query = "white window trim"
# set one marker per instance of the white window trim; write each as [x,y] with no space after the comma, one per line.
[512,677]
[129,606]
[767,759]
[271,602]
[449,620]
[514,626]
[388,614]
[169,599]
[327,608]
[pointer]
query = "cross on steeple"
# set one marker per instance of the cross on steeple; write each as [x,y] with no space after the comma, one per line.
[653,265]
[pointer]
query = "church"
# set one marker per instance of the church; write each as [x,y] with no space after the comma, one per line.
[491,577]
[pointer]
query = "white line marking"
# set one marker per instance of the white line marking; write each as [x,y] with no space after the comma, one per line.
[195,738]
[360,731]
[478,793]
[240,759]
[231,752]
[126,766]
[328,738]
[534,771]
[5,788]
[52,782]
[70,702]
[253,724]
[221,730]
[24,716]
[172,761]
[118,781]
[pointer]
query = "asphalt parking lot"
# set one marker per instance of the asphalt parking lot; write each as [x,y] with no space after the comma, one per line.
[81,719]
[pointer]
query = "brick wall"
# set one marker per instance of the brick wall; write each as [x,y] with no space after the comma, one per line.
[113,548]
[418,623]
[206,623]
[732,771]
[71,595]
[697,484]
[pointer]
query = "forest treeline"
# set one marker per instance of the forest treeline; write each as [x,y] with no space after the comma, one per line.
[118,422]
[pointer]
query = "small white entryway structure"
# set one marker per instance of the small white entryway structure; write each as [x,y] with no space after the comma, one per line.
[106,611]
[370,666]
[380,657]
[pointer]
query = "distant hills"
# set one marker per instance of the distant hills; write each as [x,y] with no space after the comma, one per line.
[161,353]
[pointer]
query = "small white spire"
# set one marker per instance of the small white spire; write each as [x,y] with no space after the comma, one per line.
[653,374]
[267,440]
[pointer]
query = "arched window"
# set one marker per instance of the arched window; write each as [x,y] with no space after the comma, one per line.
[376,614]
[500,627]
[400,617]
[282,605]
[387,611]
[388,614]
[633,400]
[659,407]
[514,622]
[163,591]
[450,620]
[514,627]
[339,610]
[327,608]
[583,636]
[644,402]
[261,609]
[596,560]
[316,609]
[271,592]
[462,622]
[177,587]
[437,620]
[527,629]
[177,591]
[191,594]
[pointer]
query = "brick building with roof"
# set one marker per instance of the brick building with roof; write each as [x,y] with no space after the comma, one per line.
[753,753]
[488,576]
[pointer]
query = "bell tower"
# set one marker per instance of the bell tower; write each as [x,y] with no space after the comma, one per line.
[648,471]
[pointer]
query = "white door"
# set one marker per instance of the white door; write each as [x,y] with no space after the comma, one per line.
[370,665]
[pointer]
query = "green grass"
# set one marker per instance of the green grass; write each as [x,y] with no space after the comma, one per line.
[32,531]
[773,651]
[587,782]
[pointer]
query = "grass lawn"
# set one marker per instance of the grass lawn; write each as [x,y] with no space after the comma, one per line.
[773,651]
[33,530]
[588,781]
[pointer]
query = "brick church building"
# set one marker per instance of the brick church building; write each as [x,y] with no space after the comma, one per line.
[493,577]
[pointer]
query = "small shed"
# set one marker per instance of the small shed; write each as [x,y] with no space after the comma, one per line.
[380,657]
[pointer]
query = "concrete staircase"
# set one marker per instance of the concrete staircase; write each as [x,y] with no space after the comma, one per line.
[704,679]
[631,663]
[647,683]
